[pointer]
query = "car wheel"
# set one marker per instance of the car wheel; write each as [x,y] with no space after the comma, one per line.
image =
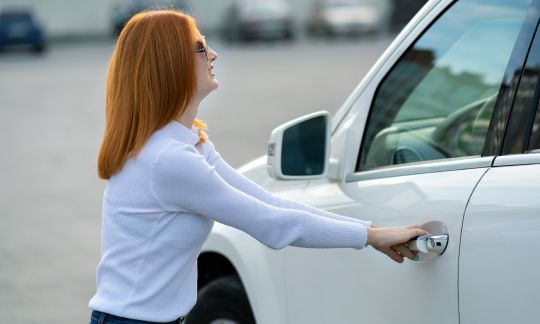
[222,301]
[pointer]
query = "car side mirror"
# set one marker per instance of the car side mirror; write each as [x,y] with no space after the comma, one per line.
[299,149]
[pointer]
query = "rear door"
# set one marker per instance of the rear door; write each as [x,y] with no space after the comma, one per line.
[499,268]
[415,142]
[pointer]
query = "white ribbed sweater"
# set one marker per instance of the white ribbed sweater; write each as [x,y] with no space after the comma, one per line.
[160,208]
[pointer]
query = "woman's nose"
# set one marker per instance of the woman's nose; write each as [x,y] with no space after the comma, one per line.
[213,54]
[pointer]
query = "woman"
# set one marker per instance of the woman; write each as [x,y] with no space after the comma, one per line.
[167,184]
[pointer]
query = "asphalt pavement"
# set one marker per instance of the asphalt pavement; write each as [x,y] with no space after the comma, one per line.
[51,123]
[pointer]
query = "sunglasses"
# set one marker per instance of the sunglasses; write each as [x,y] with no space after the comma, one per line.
[200,47]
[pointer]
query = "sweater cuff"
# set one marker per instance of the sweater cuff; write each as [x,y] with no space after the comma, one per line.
[365,223]
[359,237]
[363,236]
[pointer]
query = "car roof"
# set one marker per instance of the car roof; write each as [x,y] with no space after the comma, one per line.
[16,12]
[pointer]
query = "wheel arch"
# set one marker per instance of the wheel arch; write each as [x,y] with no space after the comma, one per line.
[261,271]
[213,265]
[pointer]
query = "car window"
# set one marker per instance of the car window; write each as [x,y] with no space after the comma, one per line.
[437,101]
[524,123]
[520,123]
[15,16]
[534,142]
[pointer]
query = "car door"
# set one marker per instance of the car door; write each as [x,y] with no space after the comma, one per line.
[498,267]
[410,150]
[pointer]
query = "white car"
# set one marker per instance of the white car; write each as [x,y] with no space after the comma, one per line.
[444,132]
[250,20]
[348,17]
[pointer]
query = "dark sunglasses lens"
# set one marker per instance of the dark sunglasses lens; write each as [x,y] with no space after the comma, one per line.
[199,47]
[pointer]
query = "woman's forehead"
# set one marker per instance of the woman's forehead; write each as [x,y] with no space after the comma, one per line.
[198,36]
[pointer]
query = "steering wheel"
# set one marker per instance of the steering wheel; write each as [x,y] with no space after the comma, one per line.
[453,127]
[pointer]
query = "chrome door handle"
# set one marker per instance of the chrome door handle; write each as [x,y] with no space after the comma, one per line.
[429,243]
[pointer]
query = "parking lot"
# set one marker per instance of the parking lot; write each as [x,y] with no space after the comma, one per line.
[52,119]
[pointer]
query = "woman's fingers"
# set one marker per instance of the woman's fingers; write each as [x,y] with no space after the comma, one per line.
[393,255]
[401,235]
[414,232]
[419,231]
[412,226]
[392,241]
[404,251]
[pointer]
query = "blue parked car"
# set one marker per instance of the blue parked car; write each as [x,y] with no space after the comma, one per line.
[18,28]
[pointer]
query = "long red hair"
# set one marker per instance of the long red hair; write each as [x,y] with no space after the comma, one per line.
[150,82]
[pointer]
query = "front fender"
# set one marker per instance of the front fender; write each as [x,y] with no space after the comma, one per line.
[260,268]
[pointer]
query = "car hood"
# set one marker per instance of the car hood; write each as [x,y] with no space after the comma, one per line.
[256,171]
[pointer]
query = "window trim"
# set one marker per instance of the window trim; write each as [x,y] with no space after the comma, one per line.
[424,167]
[524,39]
[517,159]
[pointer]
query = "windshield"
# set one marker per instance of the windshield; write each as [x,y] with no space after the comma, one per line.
[15,16]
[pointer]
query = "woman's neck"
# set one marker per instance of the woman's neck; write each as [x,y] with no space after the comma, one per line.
[189,114]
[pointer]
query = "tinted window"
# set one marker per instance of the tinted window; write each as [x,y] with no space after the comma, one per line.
[437,101]
[534,143]
[15,16]
[525,119]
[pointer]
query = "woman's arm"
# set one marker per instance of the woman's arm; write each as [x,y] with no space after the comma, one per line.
[240,182]
[183,181]
[386,240]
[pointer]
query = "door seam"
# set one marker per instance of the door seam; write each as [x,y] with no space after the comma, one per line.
[461,235]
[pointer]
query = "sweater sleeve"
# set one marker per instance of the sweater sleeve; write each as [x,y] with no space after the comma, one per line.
[183,181]
[240,182]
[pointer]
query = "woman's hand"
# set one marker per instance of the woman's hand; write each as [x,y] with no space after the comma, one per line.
[391,240]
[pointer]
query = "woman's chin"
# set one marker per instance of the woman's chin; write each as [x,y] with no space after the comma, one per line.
[215,83]
[207,88]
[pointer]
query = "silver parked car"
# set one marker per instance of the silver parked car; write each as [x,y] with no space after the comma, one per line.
[248,20]
[348,17]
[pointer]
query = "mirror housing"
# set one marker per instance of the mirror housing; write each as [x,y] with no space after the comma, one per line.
[299,149]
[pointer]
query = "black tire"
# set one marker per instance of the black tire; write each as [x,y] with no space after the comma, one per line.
[222,299]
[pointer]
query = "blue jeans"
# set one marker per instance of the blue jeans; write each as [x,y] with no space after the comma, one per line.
[104,318]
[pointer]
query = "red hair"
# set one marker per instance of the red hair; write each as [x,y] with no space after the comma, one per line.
[150,82]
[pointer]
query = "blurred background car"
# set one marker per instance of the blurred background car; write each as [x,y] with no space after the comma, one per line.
[348,17]
[20,28]
[248,20]
[123,10]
